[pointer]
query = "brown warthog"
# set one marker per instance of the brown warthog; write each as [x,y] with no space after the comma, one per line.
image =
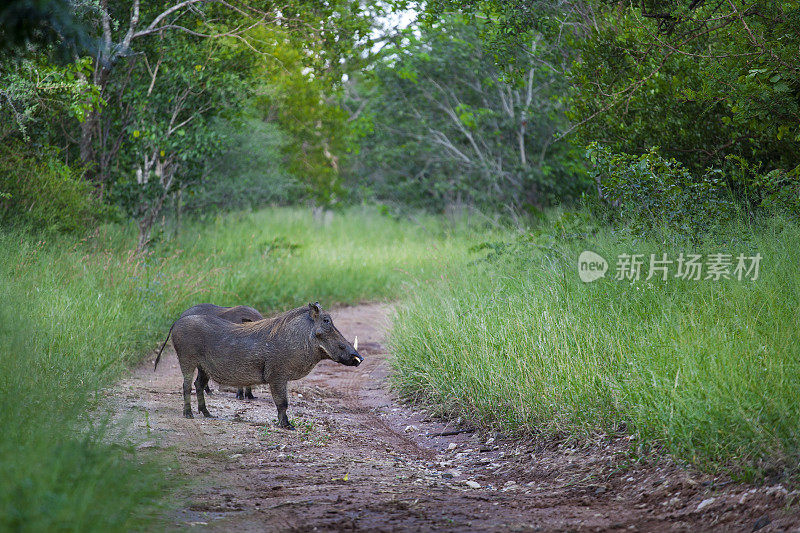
[274,350]
[238,315]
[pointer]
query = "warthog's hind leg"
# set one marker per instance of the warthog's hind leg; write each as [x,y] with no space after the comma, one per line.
[187,395]
[281,399]
[200,384]
[246,393]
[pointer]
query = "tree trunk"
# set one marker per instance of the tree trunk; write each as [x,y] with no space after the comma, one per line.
[145,229]
[178,209]
[146,222]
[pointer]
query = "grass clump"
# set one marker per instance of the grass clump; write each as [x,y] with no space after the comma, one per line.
[709,370]
[63,334]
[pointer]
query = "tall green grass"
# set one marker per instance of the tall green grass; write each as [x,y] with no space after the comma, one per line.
[76,312]
[709,370]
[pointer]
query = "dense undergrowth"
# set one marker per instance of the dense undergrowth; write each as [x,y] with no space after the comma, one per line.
[76,312]
[708,370]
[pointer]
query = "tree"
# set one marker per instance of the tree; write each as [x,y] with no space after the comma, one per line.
[163,125]
[706,81]
[125,29]
[443,118]
[302,83]
[164,71]
[40,23]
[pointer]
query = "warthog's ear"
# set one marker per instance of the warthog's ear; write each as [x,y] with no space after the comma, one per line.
[314,310]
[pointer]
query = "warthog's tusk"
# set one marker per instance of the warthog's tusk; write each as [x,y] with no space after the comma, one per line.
[355,343]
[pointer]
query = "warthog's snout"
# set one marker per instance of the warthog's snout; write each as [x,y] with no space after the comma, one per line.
[355,359]
[347,355]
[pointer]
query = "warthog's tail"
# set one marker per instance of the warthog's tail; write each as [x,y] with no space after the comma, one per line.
[162,346]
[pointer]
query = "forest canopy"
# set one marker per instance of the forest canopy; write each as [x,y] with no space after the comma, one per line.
[154,109]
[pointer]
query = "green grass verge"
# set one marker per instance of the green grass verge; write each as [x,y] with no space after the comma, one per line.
[707,370]
[75,313]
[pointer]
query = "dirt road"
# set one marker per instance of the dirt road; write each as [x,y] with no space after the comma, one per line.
[360,460]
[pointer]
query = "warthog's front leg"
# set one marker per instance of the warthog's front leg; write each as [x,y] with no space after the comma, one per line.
[281,399]
[200,386]
[187,395]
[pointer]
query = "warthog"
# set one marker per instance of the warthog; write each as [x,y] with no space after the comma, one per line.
[273,350]
[238,315]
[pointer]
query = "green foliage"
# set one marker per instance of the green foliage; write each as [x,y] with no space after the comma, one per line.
[67,323]
[34,93]
[164,117]
[706,84]
[44,194]
[42,23]
[442,125]
[650,192]
[766,192]
[301,86]
[249,173]
[707,370]
[505,24]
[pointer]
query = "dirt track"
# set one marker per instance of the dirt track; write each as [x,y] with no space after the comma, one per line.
[360,460]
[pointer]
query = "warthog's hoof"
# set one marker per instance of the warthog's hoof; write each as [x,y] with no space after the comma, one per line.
[287,425]
[249,396]
[206,413]
[188,414]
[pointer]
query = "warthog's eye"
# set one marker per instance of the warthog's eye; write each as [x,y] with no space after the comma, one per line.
[326,320]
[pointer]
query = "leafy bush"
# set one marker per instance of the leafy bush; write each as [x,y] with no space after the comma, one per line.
[43,193]
[712,83]
[650,191]
[773,191]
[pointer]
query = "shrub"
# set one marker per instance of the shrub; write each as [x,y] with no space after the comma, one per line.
[249,173]
[650,191]
[773,191]
[42,193]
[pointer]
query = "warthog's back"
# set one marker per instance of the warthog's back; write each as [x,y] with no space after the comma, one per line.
[241,313]
[221,348]
[238,314]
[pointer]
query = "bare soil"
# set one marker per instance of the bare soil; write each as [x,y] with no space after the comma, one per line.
[363,460]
